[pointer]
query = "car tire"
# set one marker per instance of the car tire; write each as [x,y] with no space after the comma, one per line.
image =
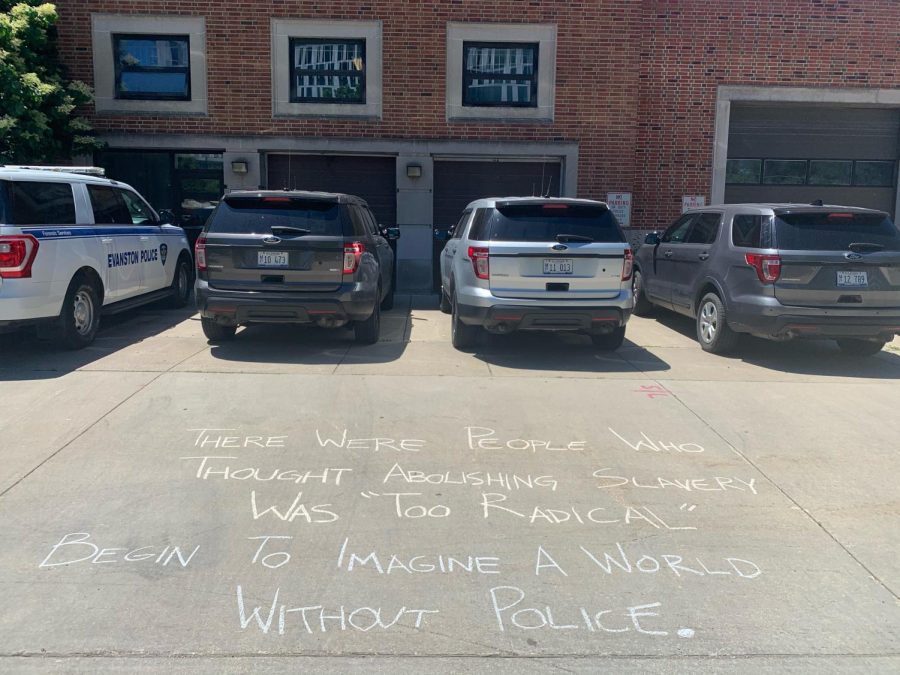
[462,335]
[388,302]
[609,341]
[859,347]
[79,319]
[642,306]
[445,302]
[367,332]
[181,283]
[713,332]
[217,332]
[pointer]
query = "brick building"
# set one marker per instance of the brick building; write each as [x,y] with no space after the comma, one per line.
[420,106]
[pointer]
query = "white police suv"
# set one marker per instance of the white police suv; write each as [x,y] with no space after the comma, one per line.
[75,246]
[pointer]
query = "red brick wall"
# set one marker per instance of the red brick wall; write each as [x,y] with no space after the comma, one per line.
[636,80]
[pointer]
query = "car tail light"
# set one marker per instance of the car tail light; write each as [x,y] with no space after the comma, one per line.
[17,254]
[768,267]
[480,261]
[200,254]
[628,265]
[352,253]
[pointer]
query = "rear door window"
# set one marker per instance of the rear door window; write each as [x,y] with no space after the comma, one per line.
[457,231]
[109,206]
[260,215]
[547,222]
[478,231]
[33,203]
[706,229]
[834,231]
[746,230]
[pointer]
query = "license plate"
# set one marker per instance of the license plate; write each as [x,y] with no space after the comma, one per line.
[272,258]
[558,265]
[852,279]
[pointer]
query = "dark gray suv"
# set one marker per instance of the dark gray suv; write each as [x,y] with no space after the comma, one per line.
[777,271]
[293,257]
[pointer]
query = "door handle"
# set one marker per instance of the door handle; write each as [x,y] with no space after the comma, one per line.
[668,254]
[703,256]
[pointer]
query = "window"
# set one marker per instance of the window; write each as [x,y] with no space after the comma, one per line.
[109,206]
[746,230]
[705,230]
[40,203]
[152,67]
[500,74]
[873,174]
[461,225]
[834,231]
[478,231]
[140,212]
[543,222]
[784,172]
[743,171]
[361,225]
[677,233]
[258,215]
[328,70]
[830,172]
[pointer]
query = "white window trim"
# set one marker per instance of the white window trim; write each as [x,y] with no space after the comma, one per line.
[543,34]
[102,28]
[285,29]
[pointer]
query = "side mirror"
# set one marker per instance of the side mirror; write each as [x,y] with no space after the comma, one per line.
[442,235]
[652,239]
[392,233]
[166,217]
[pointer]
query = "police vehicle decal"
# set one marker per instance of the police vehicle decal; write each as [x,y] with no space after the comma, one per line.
[89,231]
[163,253]
[123,258]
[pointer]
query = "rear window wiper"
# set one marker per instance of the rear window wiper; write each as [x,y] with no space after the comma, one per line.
[865,247]
[563,238]
[285,229]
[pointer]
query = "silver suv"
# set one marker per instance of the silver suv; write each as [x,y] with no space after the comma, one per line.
[777,271]
[527,263]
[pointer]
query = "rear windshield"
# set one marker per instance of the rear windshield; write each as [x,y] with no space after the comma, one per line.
[259,216]
[546,222]
[834,231]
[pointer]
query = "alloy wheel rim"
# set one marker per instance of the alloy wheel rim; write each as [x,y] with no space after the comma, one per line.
[83,313]
[709,322]
[636,286]
[182,280]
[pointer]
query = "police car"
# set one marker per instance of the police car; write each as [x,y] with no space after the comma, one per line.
[74,246]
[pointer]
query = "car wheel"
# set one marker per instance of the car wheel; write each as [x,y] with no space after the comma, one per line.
[388,302]
[642,306]
[445,302]
[609,341]
[462,335]
[713,332]
[181,284]
[217,332]
[367,332]
[858,347]
[80,316]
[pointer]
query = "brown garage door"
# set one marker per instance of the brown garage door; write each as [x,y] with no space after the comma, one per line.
[372,178]
[458,183]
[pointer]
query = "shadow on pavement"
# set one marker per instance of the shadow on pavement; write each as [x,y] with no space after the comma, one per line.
[307,345]
[24,357]
[569,352]
[800,357]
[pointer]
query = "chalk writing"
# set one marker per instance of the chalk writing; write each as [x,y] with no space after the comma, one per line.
[320,513]
[645,444]
[403,509]
[373,444]
[483,438]
[499,479]
[715,484]
[214,438]
[348,561]
[653,391]
[676,564]
[271,560]
[77,544]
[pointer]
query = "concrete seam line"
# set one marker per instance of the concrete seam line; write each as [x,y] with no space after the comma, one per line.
[98,420]
[784,492]
[110,654]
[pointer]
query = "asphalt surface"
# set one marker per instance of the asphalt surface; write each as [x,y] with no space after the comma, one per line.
[294,501]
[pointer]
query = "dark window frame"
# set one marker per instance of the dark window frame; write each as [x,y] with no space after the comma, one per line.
[9,195]
[853,179]
[295,71]
[891,182]
[117,38]
[468,76]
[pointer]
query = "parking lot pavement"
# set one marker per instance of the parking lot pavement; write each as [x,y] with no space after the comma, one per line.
[294,500]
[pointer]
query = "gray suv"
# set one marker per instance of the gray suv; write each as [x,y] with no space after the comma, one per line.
[527,263]
[777,271]
[293,257]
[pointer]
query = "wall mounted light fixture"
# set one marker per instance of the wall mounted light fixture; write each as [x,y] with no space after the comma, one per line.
[413,170]
[240,166]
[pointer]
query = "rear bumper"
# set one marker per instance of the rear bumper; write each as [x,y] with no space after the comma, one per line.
[783,322]
[509,318]
[350,302]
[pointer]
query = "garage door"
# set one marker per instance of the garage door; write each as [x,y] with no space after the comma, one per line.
[457,183]
[372,178]
[802,153]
